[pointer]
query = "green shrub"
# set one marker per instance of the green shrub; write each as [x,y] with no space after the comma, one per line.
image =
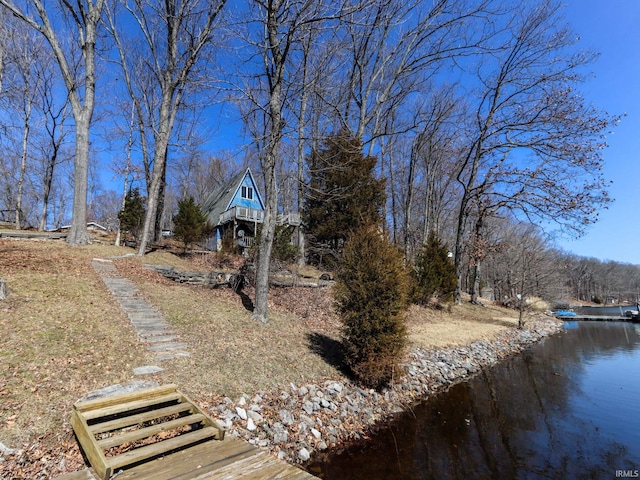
[434,273]
[131,217]
[190,225]
[371,298]
[283,249]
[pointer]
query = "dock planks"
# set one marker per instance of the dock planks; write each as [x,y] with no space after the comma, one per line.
[201,453]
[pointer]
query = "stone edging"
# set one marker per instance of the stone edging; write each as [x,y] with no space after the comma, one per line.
[295,422]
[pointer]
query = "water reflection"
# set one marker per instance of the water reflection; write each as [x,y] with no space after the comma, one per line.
[567,408]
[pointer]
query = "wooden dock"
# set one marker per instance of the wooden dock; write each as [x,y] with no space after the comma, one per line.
[159,434]
[608,318]
[229,459]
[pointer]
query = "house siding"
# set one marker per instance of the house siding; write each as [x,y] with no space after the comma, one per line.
[237,200]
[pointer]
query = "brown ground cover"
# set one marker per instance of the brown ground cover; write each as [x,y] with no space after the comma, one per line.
[63,335]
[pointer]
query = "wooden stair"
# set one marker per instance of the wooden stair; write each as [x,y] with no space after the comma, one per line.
[124,430]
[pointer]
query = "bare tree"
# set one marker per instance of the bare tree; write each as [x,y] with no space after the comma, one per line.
[276,29]
[56,115]
[26,63]
[532,145]
[76,60]
[391,49]
[175,36]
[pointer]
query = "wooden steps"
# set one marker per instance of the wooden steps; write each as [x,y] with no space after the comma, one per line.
[124,430]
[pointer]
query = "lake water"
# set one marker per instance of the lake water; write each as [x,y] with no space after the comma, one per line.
[568,407]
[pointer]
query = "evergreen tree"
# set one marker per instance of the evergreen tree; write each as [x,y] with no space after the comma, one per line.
[343,196]
[131,217]
[434,272]
[371,298]
[190,225]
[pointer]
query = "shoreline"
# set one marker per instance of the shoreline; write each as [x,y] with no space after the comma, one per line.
[305,421]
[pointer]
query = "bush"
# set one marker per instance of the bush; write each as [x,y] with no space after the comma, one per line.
[283,249]
[434,273]
[190,225]
[131,217]
[371,298]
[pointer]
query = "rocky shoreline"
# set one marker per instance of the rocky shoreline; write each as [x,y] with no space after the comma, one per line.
[304,420]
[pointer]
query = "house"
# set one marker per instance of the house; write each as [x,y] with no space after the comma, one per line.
[236,208]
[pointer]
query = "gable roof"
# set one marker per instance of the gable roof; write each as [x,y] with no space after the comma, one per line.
[219,201]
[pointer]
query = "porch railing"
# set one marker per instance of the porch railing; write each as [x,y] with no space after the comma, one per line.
[242,213]
[253,215]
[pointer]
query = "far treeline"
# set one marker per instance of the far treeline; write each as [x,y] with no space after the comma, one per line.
[459,121]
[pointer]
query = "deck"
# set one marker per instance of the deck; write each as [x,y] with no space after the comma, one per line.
[159,433]
[228,459]
[611,313]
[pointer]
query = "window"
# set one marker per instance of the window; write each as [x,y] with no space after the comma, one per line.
[246,192]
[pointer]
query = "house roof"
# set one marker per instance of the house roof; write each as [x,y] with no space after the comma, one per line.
[219,201]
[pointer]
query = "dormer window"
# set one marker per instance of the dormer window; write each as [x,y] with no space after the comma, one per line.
[246,192]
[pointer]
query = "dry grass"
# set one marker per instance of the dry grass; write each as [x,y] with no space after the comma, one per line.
[63,334]
[230,352]
[458,325]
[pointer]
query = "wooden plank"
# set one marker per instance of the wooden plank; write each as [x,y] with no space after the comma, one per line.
[87,441]
[193,462]
[160,448]
[139,418]
[79,475]
[125,397]
[261,466]
[209,420]
[150,431]
[132,405]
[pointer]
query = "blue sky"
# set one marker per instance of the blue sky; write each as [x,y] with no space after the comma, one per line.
[612,27]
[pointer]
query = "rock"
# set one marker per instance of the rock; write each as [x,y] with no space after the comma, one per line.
[316,433]
[255,416]
[118,389]
[147,369]
[308,407]
[303,454]
[280,435]
[335,387]
[286,416]
[308,420]
[5,451]
[251,426]
[242,413]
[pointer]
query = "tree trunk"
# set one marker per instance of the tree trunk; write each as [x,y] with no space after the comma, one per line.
[78,234]
[23,163]
[157,175]
[478,254]
[48,181]
[275,126]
